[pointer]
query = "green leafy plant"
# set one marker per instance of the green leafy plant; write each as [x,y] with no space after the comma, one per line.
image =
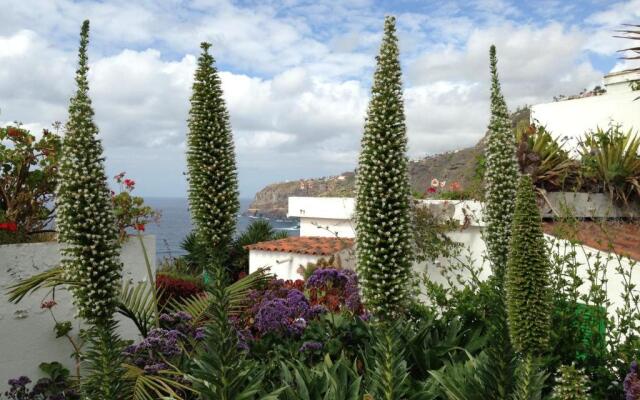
[543,158]
[610,162]
[130,211]
[28,173]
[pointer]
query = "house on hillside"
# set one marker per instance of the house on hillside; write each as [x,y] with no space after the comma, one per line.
[573,117]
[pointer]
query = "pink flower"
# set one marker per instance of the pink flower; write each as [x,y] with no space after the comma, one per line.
[129,183]
[434,182]
[48,304]
[119,177]
[443,184]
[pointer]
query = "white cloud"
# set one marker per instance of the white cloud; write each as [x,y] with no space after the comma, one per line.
[296,75]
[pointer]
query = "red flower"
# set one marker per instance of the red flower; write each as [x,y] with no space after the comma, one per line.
[9,226]
[139,227]
[13,132]
[431,190]
[48,304]
[129,183]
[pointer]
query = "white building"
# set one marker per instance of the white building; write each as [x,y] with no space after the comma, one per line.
[572,118]
[327,228]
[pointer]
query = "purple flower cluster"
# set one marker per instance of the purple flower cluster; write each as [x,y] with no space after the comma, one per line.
[310,346]
[164,343]
[632,383]
[288,315]
[341,282]
[42,390]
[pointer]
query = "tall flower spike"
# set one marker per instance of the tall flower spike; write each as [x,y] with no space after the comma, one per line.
[501,178]
[213,182]
[383,194]
[85,219]
[527,279]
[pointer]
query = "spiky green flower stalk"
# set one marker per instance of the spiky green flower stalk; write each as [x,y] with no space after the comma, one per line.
[213,182]
[527,282]
[85,219]
[384,250]
[501,178]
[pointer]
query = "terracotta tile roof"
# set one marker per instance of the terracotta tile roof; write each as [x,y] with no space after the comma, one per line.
[618,237]
[319,246]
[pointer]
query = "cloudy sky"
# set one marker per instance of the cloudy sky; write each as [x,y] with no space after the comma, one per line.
[296,73]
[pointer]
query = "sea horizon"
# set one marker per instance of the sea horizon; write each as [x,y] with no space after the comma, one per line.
[175,223]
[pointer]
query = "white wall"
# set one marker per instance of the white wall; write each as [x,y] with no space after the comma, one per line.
[327,227]
[331,216]
[26,330]
[285,265]
[572,118]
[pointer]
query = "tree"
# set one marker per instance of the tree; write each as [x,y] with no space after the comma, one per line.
[85,219]
[500,178]
[213,182]
[383,228]
[527,280]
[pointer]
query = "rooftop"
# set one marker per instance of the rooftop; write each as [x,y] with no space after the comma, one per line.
[312,245]
[622,238]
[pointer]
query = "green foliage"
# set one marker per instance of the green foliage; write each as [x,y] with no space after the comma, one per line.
[528,281]
[571,384]
[477,380]
[383,220]
[85,220]
[28,172]
[213,182]
[542,157]
[220,371]
[104,373]
[610,160]
[137,303]
[500,178]
[388,376]
[337,380]
[430,235]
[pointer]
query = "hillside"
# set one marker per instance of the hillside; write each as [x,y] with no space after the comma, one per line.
[459,165]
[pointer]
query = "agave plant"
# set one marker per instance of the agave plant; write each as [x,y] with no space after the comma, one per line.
[610,161]
[543,157]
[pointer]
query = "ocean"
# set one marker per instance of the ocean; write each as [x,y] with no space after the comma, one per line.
[175,224]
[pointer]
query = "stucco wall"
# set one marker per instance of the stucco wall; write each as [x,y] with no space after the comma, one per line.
[285,265]
[572,118]
[26,330]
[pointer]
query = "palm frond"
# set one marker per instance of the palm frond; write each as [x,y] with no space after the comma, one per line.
[198,305]
[46,279]
[151,387]
[136,302]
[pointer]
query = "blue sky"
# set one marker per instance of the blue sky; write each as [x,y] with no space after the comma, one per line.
[296,74]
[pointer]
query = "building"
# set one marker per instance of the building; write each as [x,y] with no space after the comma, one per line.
[572,118]
[327,229]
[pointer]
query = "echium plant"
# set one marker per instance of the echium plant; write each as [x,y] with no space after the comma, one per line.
[383,194]
[500,178]
[213,182]
[528,277]
[85,219]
